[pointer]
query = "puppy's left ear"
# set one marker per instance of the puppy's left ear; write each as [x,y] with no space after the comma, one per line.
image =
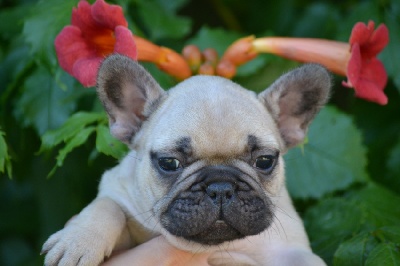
[295,98]
[128,93]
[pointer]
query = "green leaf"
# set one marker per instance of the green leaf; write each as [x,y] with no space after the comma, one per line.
[390,233]
[165,24]
[5,159]
[109,145]
[390,55]
[69,129]
[393,170]
[43,104]
[74,142]
[382,207]
[329,223]
[318,21]
[12,20]
[359,12]
[172,6]
[218,39]
[333,159]
[353,252]
[252,66]
[44,23]
[370,211]
[274,68]
[385,254]
[14,69]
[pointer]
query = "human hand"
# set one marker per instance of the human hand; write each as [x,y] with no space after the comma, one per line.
[157,252]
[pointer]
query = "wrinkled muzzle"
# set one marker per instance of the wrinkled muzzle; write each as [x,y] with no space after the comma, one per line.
[219,206]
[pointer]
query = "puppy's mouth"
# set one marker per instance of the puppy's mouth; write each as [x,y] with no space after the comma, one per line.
[216,234]
[217,210]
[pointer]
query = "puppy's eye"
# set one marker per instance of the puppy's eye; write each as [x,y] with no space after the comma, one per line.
[264,162]
[169,164]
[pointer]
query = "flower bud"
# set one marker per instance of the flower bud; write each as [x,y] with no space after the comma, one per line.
[226,69]
[192,55]
[174,64]
[207,68]
[240,52]
[211,55]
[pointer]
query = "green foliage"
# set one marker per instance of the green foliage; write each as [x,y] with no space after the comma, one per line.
[349,227]
[390,55]
[218,39]
[5,159]
[71,128]
[166,24]
[324,163]
[345,181]
[393,169]
[43,104]
[107,144]
[40,40]
[76,131]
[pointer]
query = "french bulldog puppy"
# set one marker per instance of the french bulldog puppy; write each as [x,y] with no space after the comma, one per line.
[205,169]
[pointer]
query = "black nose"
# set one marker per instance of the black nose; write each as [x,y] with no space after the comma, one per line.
[220,192]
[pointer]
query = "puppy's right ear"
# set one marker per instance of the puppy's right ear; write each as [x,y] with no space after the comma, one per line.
[128,93]
[295,98]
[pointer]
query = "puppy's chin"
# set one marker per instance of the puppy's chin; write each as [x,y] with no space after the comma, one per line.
[216,234]
[214,240]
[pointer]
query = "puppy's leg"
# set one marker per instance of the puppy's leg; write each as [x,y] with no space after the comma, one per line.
[88,238]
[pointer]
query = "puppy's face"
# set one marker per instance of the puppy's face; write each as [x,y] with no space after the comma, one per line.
[215,154]
[210,151]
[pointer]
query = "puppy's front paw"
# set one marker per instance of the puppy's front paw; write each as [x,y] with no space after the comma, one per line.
[76,246]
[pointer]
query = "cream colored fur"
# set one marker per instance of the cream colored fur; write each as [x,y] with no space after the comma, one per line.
[218,115]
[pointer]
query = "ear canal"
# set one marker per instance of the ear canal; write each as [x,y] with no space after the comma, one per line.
[295,98]
[128,93]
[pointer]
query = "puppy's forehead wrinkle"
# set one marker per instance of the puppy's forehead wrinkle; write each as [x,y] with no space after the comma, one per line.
[253,143]
[216,113]
[183,145]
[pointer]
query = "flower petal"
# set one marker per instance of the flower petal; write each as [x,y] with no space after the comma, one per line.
[70,46]
[109,16]
[374,71]
[360,33]
[368,90]
[125,44]
[354,66]
[82,17]
[379,39]
[85,70]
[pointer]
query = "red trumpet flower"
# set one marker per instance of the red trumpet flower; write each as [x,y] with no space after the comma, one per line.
[356,59]
[96,31]
[365,73]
